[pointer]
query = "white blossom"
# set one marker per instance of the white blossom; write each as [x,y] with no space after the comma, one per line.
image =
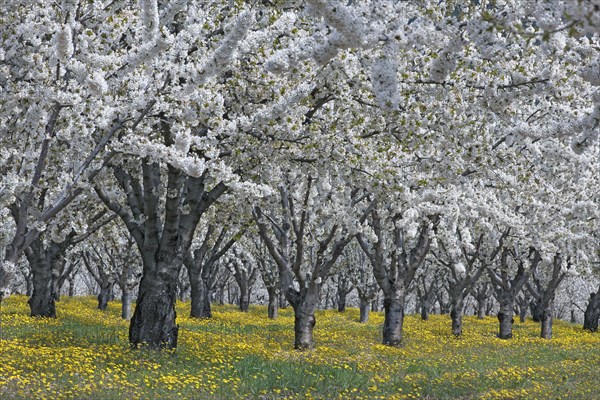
[64,43]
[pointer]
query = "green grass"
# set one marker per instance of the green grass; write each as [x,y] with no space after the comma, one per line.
[84,355]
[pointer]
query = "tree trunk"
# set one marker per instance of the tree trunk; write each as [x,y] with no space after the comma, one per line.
[536,311]
[394,317]
[304,317]
[126,304]
[71,287]
[153,322]
[375,304]
[505,316]
[341,301]
[456,313]
[104,296]
[481,309]
[273,302]
[547,321]
[573,318]
[592,313]
[364,310]
[424,311]
[200,296]
[522,313]
[282,302]
[29,282]
[304,323]
[42,301]
[244,299]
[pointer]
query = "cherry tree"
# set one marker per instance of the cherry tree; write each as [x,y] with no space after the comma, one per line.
[306,234]
[361,276]
[269,274]
[245,272]
[56,115]
[203,261]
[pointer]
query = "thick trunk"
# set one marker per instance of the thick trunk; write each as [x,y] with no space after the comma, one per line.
[304,317]
[283,302]
[547,322]
[481,309]
[505,316]
[424,311]
[393,306]
[592,313]
[222,295]
[522,313]
[273,302]
[71,287]
[244,300]
[341,302]
[126,304]
[153,322]
[536,310]
[104,296]
[364,310]
[42,301]
[304,323]
[200,295]
[456,313]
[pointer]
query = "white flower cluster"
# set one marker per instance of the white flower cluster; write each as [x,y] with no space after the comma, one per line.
[341,18]
[384,79]
[221,58]
[64,43]
[149,17]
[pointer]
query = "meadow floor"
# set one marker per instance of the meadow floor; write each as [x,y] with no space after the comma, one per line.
[84,355]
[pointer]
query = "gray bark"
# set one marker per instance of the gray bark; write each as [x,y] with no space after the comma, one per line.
[283,303]
[304,324]
[153,322]
[270,278]
[200,296]
[71,286]
[505,315]
[547,321]
[481,294]
[344,286]
[45,263]
[126,304]
[481,310]
[42,301]
[304,318]
[245,276]
[244,300]
[364,310]
[425,294]
[105,295]
[393,307]
[536,310]
[456,314]
[591,314]
[273,306]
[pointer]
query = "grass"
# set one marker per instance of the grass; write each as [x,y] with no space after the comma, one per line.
[84,355]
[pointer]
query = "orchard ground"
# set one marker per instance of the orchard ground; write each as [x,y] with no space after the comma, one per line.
[84,355]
